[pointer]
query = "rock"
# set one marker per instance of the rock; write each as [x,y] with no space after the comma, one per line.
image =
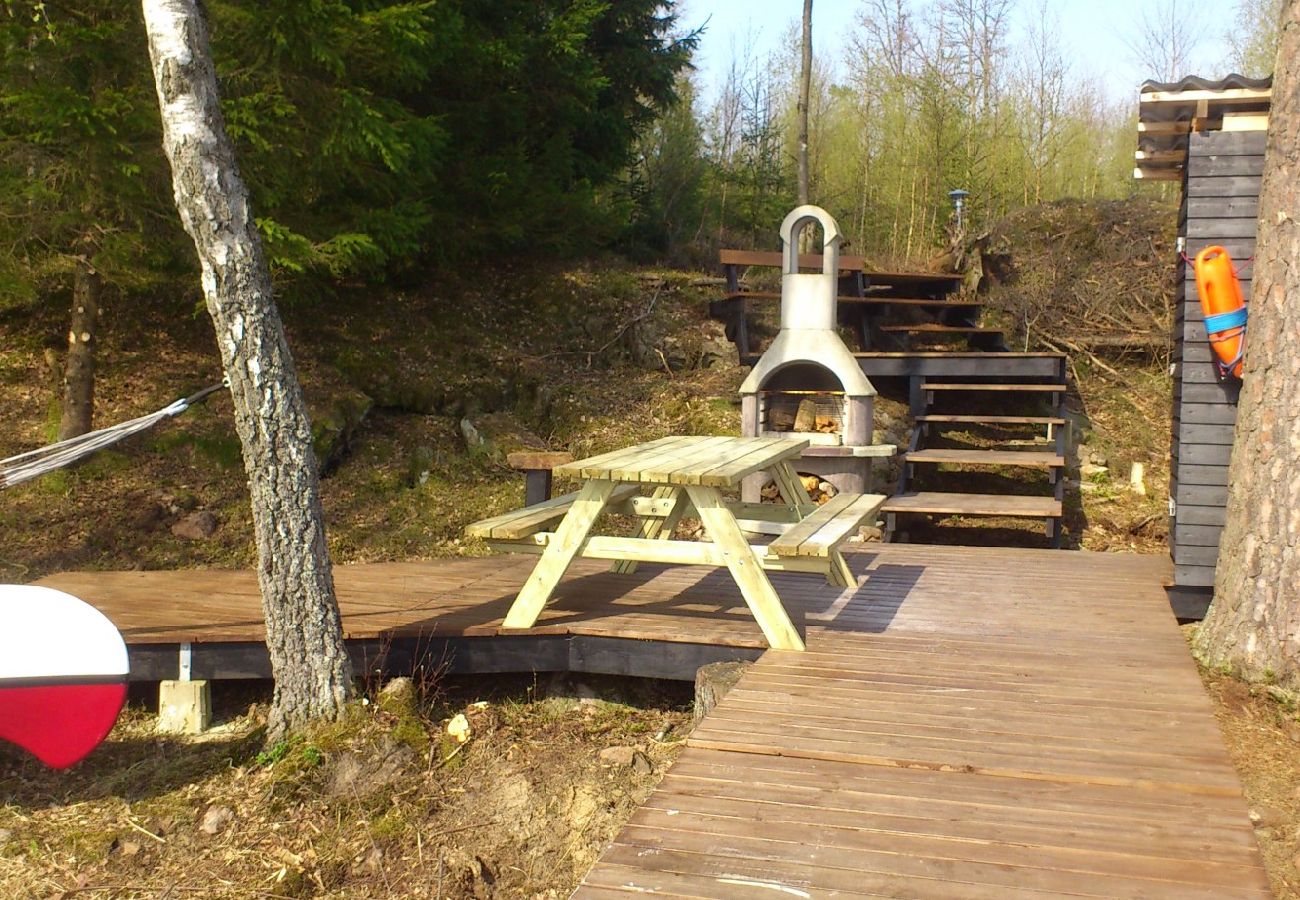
[197,526]
[674,353]
[1137,479]
[1089,455]
[1094,472]
[458,728]
[497,435]
[712,683]
[337,410]
[641,763]
[718,352]
[618,756]
[1267,817]
[216,819]
[399,698]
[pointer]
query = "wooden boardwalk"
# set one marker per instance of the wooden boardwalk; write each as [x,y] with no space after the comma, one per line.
[966,722]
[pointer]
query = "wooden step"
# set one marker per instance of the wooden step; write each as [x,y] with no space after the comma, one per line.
[936,503]
[991,420]
[933,328]
[870,300]
[1033,458]
[1027,386]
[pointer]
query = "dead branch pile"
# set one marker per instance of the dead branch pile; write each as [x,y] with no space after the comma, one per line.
[1094,277]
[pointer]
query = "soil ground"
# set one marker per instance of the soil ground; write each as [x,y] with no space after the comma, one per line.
[588,358]
[383,804]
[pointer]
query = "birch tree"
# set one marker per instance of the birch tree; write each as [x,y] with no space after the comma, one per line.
[313,677]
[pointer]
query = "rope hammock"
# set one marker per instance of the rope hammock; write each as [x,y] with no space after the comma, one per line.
[35,463]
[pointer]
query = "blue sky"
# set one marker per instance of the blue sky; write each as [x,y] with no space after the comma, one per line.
[1094,32]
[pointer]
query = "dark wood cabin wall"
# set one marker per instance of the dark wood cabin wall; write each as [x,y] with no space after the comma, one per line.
[1220,206]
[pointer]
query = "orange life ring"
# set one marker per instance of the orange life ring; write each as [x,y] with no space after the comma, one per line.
[1224,308]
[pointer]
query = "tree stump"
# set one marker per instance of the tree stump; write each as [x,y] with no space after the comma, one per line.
[712,682]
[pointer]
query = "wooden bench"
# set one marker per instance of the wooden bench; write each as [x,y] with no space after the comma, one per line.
[833,523]
[520,524]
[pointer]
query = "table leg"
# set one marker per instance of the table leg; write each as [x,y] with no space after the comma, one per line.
[793,492]
[652,528]
[745,568]
[839,573]
[559,554]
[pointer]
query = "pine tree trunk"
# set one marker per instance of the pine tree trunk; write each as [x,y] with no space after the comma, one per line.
[313,677]
[79,370]
[805,87]
[1253,626]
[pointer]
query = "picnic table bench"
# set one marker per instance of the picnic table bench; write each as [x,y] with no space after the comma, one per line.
[658,483]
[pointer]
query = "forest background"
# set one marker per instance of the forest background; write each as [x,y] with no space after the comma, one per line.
[381,139]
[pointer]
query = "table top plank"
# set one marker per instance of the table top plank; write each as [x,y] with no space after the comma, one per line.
[599,466]
[714,461]
[764,455]
[652,468]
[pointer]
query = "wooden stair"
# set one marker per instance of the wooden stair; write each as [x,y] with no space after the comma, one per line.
[950,388]
[913,501]
[931,386]
[1030,458]
[949,504]
[989,420]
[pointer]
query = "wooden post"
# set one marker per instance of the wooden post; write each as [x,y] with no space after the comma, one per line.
[536,466]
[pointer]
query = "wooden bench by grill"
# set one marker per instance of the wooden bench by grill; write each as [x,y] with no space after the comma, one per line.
[833,523]
[523,523]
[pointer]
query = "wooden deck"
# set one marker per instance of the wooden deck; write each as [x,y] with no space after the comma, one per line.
[966,722]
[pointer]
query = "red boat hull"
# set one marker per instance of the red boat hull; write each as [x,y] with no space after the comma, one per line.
[57,720]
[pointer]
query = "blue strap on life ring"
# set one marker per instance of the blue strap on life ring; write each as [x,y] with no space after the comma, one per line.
[1224,321]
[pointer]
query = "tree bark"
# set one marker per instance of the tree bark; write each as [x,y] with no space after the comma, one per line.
[79,370]
[313,677]
[805,87]
[1253,626]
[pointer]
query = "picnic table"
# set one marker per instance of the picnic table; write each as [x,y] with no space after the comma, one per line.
[661,481]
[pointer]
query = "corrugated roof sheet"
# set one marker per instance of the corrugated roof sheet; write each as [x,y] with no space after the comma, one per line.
[1169,111]
[1197,83]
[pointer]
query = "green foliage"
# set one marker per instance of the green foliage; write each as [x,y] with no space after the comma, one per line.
[81,165]
[372,133]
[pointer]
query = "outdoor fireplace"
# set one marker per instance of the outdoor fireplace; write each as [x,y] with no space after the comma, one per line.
[807,384]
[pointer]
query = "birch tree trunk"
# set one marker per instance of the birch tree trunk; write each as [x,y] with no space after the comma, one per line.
[1253,626]
[79,371]
[805,87]
[313,677]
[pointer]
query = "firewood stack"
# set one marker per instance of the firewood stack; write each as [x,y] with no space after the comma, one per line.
[819,490]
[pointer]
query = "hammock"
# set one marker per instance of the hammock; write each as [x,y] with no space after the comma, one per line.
[35,463]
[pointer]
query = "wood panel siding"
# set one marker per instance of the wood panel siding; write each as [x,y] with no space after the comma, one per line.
[1220,206]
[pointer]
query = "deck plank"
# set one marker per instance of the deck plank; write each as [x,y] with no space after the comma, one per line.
[951,730]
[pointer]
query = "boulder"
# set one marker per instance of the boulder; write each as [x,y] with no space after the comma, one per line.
[337,410]
[196,526]
[494,436]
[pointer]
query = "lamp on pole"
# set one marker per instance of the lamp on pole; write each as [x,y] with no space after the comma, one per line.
[958,198]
